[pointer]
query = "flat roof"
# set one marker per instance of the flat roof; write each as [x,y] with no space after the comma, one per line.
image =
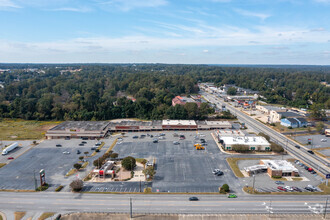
[179,122]
[217,123]
[86,125]
[283,165]
[132,123]
[246,140]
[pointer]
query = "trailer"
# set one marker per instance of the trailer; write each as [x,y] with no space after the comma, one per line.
[9,148]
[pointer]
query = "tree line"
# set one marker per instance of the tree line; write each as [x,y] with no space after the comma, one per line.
[99,91]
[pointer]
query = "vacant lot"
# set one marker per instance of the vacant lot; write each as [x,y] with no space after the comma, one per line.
[17,129]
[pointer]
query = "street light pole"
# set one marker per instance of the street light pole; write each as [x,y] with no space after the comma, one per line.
[325,208]
[131,211]
[35,180]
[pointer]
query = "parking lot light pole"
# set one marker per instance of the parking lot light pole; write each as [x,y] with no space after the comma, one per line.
[254,177]
[35,180]
[130,205]
[325,208]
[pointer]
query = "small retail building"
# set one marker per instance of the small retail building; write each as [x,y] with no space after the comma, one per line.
[254,143]
[274,168]
[279,168]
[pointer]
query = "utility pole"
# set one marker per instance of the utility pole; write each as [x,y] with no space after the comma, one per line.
[140,185]
[325,208]
[270,207]
[131,211]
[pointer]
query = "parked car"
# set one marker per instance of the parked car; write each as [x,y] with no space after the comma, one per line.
[215,171]
[296,189]
[78,152]
[297,146]
[93,148]
[10,158]
[162,134]
[84,138]
[182,137]
[135,137]
[202,140]
[58,145]
[142,136]
[310,169]
[155,140]
[313,187]
[220,173]
[306,167]
[67,138]
[288,188]
[194,198]
[66,152]
[313,172]
[119,139]
[232,196]
[323,140]
[176,142]
[97,150]
[311,152]
[279,182]
[84,142]
[281,188]
[81,144]
[309,189]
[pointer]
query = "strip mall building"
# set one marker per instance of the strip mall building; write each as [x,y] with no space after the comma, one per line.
[99,129]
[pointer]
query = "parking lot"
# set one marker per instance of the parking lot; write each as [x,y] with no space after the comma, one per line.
[180,168]
[315,141]
[23,146]
[19,173]
[263,183]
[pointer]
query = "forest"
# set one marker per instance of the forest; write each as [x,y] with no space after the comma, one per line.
[100,91]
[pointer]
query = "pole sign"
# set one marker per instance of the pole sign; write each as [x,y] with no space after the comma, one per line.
[327,176]
[42,177]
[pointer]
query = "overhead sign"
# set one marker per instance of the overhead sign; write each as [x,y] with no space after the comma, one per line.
[328,176]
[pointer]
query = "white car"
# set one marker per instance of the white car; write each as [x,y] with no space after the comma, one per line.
[66,152]
[215,171]
[323,140]
[289,188]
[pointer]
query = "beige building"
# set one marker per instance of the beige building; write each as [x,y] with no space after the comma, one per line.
[254,143]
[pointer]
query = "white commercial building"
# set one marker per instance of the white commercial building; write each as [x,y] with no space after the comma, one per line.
[279,168]
[254,143]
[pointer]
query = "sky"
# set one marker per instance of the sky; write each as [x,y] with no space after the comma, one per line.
[165,31]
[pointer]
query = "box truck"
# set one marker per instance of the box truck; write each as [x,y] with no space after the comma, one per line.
[9,148]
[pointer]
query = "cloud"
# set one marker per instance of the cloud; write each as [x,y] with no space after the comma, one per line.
[205,51]
[317,29]
[127,5]
[8,4]
[80,9]
[252,14]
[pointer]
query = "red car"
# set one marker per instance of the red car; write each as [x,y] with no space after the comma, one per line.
[310,169]
[281,188]
[10,158]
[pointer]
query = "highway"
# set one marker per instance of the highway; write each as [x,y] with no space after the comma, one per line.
[176,204]
[317,163]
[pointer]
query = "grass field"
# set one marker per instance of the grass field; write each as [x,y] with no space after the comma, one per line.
[46,215]
[18,129]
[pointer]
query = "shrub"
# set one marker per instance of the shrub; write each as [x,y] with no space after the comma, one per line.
[81,157]
[224,188]
[147,190]
[276,148]
[277,177]
[113,155]
[77,185]
[149,171]
[43,188]
[289,127]
[129,163]
[265,136]
[77,166]
[59,188]
[240,148]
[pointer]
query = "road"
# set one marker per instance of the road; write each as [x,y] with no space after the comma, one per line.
[179,204]
[318,163]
